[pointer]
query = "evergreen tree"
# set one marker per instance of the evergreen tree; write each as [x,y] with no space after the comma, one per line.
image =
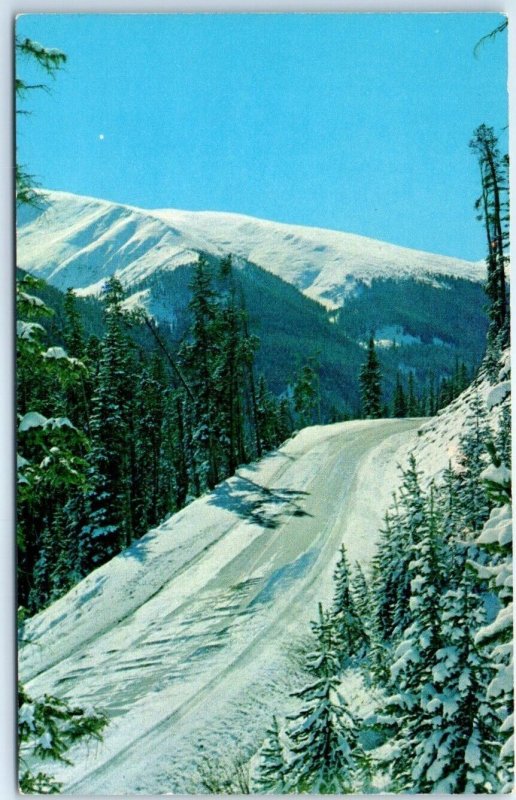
[457,752]
[269,771]
[199,356]
[363,605]
[496,637]
[344,614]
[400,402]
[411,669]
[322,735]
[493,208]
[305,395]
[51,448]
[412,404]
[473,459]
[108,527]
[370,384]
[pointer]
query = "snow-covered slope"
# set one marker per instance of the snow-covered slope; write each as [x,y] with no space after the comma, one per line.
[75,241]
[183,638]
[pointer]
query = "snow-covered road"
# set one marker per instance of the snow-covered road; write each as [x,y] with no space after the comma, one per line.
[182,638]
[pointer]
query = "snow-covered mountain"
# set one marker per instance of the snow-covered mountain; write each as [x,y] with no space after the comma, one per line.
[75,241]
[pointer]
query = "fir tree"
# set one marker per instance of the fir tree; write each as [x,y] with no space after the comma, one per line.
[473,459]
[370,384]
[492,206]
[457,751]
[363,605]
[344,614]
[496,638]
[400,402]
[415,653]
[108,527]
[322,735]
[268,775]
[305,395]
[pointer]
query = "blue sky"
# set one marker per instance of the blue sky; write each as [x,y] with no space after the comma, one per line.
[358,122]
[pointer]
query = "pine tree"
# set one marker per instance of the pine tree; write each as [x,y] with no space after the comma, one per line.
[458,751]
[268,777]
[51,448]
[323,734]
[370,384]
[305,395]
[496,638]
[411,669]
[473,459]
[400,402]
[493,205]
[198,356]
[108,528]
[344,614]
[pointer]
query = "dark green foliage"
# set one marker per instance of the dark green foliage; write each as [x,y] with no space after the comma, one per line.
[370,384]
[140,438]
[400,402]
[305,395]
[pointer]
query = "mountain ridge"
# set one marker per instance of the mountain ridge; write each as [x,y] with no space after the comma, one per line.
[325,265]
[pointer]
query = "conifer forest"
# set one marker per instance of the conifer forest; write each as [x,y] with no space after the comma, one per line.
[263,505]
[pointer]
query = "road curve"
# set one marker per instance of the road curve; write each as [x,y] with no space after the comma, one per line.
[172,636]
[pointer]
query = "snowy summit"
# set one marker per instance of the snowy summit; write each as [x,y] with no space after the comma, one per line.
[78,242]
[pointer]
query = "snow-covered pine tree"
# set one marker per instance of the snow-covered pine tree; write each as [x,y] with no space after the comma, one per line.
[268,772]
[407,532]
[51,448]
[370,384]
[150,402]
[344,615]
[322,735]
[473,458]
[108,527]
[198,356]
[410,675]
[493,210]
[455,751]
[495,542]
[362,601]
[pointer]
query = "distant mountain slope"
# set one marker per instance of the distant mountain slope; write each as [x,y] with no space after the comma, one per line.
[426,311]
[77,241]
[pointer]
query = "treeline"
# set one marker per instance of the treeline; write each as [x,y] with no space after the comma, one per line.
[429,628]
[112,441]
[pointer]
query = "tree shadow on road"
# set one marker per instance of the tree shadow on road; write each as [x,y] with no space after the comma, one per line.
[258,504]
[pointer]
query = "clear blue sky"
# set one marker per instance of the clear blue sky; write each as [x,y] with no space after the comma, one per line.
[358,122]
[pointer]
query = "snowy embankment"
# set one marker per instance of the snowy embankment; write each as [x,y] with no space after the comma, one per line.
[182,639]
[439,437]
